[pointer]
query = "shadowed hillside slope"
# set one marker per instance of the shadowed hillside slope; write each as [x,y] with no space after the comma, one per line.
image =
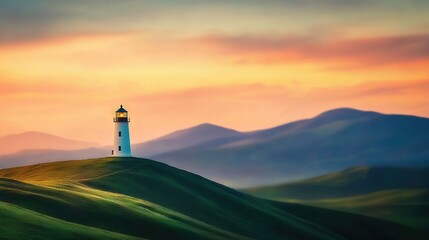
[20,223]
[349,182]
[397,194]
[145,199]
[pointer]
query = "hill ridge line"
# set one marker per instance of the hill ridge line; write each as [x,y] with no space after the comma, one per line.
[109,174]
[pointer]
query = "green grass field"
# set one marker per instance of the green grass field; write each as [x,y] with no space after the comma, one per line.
[131,198]
[21,223]
[396,194]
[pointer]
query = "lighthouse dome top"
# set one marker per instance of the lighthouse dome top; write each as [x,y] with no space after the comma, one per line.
[121,109]
[121,115]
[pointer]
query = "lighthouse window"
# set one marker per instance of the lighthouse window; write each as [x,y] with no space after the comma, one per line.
[120,133]
[119,148]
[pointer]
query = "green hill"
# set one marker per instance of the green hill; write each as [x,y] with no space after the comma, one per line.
[349,182]
[396,194]
[126,198]
[405,206]
[20,223]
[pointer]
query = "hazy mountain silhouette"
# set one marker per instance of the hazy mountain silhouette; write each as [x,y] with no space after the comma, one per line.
[30,157]
[331,141]
[183,138]
[38,140]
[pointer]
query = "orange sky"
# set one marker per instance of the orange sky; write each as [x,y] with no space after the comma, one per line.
[66,67]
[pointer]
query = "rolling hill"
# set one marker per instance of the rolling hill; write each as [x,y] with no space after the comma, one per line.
[30,157]
[396,194]
[131,198]
[346,183]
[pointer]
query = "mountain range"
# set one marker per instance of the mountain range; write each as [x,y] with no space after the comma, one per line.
[133,198]
[37,141]
[184,139]
[332,141]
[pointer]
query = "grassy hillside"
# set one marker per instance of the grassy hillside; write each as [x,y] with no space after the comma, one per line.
[175,205]
[108,211]
[395,197]
[139,198]
[396,194]
[347,224]
[20,223]
[349,182]
[405,206]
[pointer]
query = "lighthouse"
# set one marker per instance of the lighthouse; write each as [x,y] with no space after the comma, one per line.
[122,145]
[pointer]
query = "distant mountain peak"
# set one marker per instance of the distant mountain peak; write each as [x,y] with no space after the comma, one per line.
[204,129]
[346,113]
[185,138]
[210,126]
[207,125]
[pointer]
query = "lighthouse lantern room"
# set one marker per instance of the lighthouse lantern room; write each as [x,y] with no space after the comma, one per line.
[122,145]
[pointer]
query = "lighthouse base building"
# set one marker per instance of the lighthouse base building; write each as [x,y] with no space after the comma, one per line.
[122,144]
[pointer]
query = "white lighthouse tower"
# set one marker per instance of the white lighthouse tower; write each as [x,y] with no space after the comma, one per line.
[122,145]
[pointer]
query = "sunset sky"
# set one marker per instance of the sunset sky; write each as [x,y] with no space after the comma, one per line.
[67,65]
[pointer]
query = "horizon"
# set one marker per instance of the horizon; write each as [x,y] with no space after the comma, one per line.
[101,145]
[244,65]
[202,119]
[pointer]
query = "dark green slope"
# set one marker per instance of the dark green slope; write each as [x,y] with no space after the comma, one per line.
[106,211]
[20,223]
[349,182]
[207,201]
[405,206]
[396,194]
[355,227]
[158,201]
[145,199]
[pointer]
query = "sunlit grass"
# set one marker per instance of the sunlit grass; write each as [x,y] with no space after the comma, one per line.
[141,198]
